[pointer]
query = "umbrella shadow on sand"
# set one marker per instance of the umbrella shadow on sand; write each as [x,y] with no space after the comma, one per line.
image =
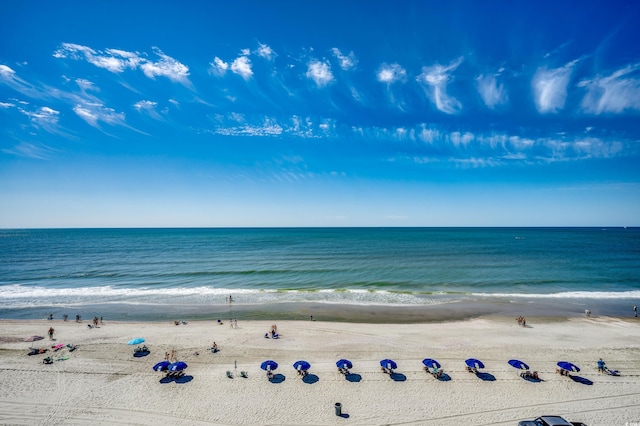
[352,377]
[180,380]
[582,380]
[277,378]
[486,377]
[398,377]
[183,379]
[444,377]
[310,379]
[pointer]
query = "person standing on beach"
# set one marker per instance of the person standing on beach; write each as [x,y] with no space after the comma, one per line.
[635,311]
[51,331]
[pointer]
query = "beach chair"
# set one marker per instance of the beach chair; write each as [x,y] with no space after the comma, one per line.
[244,374]
[229,374]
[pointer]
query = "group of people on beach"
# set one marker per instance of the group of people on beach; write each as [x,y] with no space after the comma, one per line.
[521,321]
[273,332]
[65,317]
[173,356]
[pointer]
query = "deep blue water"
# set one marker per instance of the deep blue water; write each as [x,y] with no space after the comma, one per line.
[370,266]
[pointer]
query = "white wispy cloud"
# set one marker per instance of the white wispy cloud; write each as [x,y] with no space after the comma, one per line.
[218,67]
[319,72]
[235,124]
[7,105]
[346,61]
[117,61]
[93,114]
[242,66]
[166,67]
[31,150]
[436,78]
[9,77]
[85,84]
[265,51]
[550,87]
[614,93]
[492,93]
[148,108]
[390,73]
[111,59]
[45,117]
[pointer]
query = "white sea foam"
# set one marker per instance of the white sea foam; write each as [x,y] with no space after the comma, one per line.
[16,296]
[567,295]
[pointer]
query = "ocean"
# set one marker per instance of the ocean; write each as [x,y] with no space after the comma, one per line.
[341,273]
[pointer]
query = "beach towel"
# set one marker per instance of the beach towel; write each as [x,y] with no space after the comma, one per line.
[33,338]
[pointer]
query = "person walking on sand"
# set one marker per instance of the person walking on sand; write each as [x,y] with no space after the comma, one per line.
[51,331]
[635,311]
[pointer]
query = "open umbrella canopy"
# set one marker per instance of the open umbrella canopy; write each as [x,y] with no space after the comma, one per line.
[161,366]
[568,366]
[388,363]
[301,365]
[518,364]
[177,366]
[269,365]
[431,363]
[136,341]
[344,363]
[474,363]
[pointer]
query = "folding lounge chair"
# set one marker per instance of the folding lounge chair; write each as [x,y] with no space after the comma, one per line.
[229,374]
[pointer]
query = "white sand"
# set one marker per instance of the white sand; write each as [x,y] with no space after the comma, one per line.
[102,383]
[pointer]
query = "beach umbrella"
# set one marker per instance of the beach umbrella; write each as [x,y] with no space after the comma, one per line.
[344,363]
[568,366]
[177,366]
[388,363]
[431,363]
[518,364]
[136,341]
[269,365]
[474,363]
[301,365]
[161,366]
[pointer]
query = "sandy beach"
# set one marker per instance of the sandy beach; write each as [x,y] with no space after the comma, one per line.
[101,382]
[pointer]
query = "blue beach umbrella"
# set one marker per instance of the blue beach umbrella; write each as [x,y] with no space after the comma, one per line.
[344,363]
[301,365]
[161,366]
[431,363]
[474,363]
[568,366]
[136,341]
[269,365]
[518,364]
[388,363]
[177,366]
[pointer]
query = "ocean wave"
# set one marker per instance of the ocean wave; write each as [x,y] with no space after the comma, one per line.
[634,294]
[20,296]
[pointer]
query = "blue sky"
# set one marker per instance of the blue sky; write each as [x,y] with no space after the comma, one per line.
[250,113]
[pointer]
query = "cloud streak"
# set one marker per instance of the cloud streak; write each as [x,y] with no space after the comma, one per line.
[320,73]
[613,94]
[118,61]
[550,87]
[435,79]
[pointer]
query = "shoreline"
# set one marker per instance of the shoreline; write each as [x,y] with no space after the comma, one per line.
[103,383]
[338,312]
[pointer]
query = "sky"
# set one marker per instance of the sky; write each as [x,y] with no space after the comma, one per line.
[338,113]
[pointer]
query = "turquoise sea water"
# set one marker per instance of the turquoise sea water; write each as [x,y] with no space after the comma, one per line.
[75,269]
